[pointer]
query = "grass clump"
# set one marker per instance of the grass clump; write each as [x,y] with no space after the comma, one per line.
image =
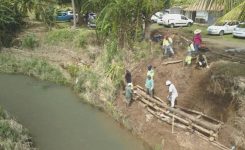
[84,38]
[30,41]
[60,35]
[12,134]
[31,67]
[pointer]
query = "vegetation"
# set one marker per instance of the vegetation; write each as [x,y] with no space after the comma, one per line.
[227,80]
[10,21]
[79,38]
[12,134]
[31,67]
[30,41]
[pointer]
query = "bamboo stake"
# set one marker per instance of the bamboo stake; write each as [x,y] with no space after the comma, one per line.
[172,124]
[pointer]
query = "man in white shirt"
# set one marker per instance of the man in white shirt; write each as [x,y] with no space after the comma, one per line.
[173,94]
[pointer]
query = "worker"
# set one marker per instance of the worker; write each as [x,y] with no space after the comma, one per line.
[197,39]
[149,84]
[190,47]
[150,71]
[166,46]
[128,94]
[173,94]
[201,61]
[128,78]
[188,59]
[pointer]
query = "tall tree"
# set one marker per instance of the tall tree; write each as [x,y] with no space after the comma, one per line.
[123,19]
[74,13]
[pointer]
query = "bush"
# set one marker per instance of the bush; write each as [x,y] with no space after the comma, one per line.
[30,41]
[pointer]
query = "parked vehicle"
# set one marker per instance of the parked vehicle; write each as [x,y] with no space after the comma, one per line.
[91,20]
[175,20]
[64,16]
[156,16]
[222,28]
[239,31]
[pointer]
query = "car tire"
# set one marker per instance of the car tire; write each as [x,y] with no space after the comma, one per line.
[221,33]
[172,25]
[189,24]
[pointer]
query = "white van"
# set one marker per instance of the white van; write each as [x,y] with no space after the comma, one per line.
[175,20]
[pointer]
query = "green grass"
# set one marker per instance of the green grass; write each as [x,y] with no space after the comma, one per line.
[31,67]
[78,38]
[12,134]
[229,69]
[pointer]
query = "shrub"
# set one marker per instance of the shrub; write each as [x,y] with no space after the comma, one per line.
[30,41]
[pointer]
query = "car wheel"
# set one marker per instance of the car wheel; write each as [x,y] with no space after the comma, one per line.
[188,24]
[221,33]
[172,25]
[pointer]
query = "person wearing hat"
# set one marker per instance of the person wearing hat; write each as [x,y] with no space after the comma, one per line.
[173,94]
[150,71]
[197,39]
[149,84]
[167,46]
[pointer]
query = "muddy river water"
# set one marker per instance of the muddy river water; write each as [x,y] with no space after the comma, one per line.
[57,120]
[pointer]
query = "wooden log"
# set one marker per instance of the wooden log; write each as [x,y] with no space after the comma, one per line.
[166,120]
[215,143]
[189,123]
[200,113]
[172,62]
[193,125]
[183,114]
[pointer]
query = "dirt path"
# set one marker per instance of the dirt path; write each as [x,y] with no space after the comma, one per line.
[219,43]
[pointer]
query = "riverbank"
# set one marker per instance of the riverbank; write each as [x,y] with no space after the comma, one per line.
[12,134]
[95,73]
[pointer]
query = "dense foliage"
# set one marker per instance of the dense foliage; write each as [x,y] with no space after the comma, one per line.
[10,20]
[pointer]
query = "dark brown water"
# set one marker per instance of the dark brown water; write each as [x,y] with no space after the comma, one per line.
[57,120]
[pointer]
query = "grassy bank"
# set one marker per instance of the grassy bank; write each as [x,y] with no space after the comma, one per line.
[228,81]
[31,67]
[12,134]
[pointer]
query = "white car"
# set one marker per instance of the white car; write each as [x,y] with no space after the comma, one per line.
[222,28]
[239,31]
[156,16]
[175,20]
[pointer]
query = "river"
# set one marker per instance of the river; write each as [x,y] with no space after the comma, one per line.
[57,120]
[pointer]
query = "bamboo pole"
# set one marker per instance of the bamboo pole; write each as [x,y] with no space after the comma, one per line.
[172,124]
[181,113]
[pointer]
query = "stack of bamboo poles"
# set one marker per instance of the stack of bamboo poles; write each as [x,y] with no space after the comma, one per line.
[197,122]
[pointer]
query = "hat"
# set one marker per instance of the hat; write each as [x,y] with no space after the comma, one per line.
[197,31]
[168,82]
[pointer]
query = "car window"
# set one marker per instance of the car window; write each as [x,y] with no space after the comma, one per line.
[183,17]
[220,23]
[241,26]
[230,23]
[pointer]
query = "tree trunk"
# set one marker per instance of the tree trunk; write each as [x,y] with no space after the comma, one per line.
[74,13]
